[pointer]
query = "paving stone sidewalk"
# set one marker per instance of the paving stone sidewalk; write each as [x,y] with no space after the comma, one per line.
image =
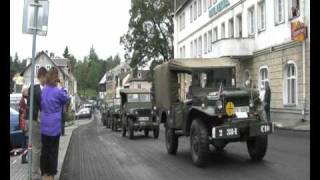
[291,125]
[19,171]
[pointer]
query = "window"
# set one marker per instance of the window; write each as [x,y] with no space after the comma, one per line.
[251,22]
[191,49]
[205,5]
[239,25]
[200,46]
[182,21]
[215,34]
[290,84]
[200,8]
[223,29]
[184,51]
[261,15]
[247,77]
[294,8]
[139,86]
[195,48]
[48,66]
[231,28]
[263,76]
[180,52]
[205,41]
[195,10]
[209,41]
[139,75]
[210,4]
[279,11]
[191,18]
[37,67]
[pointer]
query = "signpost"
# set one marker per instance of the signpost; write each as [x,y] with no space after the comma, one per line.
[35,21]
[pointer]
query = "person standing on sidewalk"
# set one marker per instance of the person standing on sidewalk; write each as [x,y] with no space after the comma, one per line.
[22,121]
[53,98]
[267,99]
[36,138]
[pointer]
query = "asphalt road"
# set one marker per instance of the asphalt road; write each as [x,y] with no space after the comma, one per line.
[98,153]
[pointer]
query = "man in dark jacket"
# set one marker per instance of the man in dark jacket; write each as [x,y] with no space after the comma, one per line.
[36,137]
[267,99]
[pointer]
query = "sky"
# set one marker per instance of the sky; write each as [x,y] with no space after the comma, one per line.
[78,24]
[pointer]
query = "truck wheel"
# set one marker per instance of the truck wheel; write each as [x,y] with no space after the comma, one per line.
[131,131]
[146,132]
[199,142]
[257,147]
[156,132]
[124,131]
[171,141]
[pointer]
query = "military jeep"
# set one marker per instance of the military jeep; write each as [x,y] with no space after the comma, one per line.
[211,109]
[114,115]
[137,112]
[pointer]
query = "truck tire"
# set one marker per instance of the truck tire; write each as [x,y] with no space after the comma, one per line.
[146,132]
[131,131]
[124,131]
[199,143]
[156,132]
[171,141]
[257,147]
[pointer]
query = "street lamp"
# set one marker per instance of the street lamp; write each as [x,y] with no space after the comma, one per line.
[35,22]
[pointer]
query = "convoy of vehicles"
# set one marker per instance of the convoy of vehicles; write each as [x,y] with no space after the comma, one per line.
[214,111]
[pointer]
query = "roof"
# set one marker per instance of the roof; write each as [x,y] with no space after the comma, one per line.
[132,91]
[203,63]
[60,61]
[103,79]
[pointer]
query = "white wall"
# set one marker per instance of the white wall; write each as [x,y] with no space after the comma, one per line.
[273,35]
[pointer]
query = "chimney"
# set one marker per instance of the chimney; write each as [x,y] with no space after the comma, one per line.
[51,55]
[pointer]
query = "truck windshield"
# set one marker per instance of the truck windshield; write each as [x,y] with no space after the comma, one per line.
[138,97]
[213,78]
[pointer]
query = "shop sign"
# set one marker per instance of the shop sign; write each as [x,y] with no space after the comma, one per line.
[219,7]
[298,31]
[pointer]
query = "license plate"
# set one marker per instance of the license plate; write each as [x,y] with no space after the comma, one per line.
[143,118]
[225,132]
[241,109]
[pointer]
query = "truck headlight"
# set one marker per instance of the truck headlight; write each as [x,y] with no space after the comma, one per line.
[154,107]
[136,112]
[251,104]
[219,104]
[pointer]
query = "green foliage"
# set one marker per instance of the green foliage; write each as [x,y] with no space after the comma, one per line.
[16,66]
[150,33]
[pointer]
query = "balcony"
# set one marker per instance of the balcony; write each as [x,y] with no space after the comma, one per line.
[235,47]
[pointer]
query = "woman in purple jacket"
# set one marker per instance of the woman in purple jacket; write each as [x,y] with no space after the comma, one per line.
[53,99]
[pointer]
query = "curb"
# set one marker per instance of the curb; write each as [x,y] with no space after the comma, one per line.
[292,129]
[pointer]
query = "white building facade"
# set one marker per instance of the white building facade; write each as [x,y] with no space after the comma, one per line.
[259,34]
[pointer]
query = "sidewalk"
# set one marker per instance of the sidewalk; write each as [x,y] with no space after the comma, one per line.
[19,171]
[296,126]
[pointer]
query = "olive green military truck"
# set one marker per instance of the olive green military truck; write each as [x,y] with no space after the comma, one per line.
[200,98]
[137,112]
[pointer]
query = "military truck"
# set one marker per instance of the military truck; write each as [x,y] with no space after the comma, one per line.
[137,112]
[114,115]
[213,109]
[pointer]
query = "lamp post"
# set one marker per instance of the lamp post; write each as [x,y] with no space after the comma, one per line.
[34,23]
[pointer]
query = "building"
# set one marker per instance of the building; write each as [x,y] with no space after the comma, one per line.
[258,33]
[116,79]
[63,65]
[139,80]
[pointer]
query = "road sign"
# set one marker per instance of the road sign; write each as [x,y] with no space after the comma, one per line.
[28,24]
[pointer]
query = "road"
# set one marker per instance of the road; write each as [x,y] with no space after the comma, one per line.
[98,153]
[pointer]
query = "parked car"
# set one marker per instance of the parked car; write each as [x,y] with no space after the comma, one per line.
[215,111]
[83,113]
[137,113]
[16,135]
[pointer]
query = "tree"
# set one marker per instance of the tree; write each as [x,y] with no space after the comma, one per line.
[66,53]
[150,33]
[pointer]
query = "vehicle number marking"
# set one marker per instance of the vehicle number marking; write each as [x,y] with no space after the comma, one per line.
[220,132]
[232,131]
[265,128]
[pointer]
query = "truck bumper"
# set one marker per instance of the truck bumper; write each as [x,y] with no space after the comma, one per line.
[244,128]
[145,125]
